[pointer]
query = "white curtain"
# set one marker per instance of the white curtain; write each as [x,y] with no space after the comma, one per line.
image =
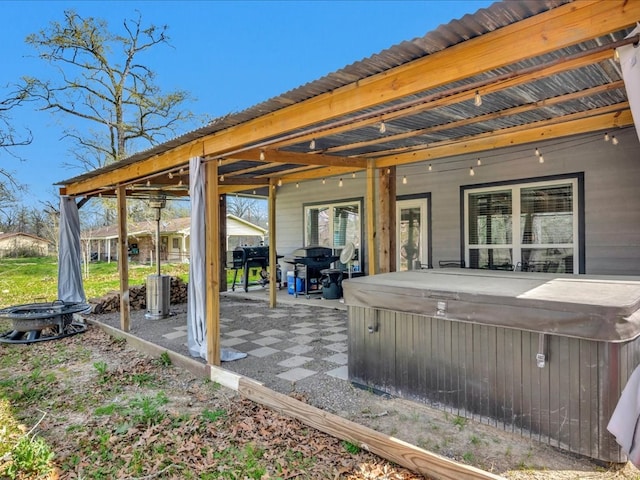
[70,288]
[196,300]
[630,63]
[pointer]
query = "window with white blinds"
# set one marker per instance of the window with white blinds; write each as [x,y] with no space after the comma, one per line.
[530,227]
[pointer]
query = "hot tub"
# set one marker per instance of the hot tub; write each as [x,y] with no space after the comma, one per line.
[542,355]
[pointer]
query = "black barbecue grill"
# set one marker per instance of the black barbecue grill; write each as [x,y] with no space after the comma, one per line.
[247,258]
[308,263]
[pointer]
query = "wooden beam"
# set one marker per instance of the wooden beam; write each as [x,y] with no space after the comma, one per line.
[273,261]
[212,255]
[310,158]
[123,258]
[511,137]
[386,219]
[371,212]
[402,453]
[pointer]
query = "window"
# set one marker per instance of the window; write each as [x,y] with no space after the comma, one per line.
[175,243]
[334,225]
[543,216]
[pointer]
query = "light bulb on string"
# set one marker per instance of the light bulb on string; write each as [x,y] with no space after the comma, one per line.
[404,180]
[471,172]
[148,183]
[324,181]
[383,127]
[170,175]
[478,99]
[297,184]
[479,162]
[541,159]
[254,192]
[180,183]
[606,137]
[340,183]
[262,155]
[537,152]
[353,175]
[614,140]
[279,182]
[219,162]
[430,167]
[312,144]
[222,178]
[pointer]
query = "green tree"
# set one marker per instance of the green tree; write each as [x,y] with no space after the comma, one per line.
[100,80]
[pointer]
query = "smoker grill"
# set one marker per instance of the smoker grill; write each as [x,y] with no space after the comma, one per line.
[246,258]
[308,263]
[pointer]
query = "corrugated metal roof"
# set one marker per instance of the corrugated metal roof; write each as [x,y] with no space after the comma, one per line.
[443,119]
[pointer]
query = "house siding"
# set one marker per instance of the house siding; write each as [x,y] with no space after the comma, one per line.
[611,176]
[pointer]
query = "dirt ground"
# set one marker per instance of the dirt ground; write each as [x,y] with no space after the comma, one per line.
[481,445]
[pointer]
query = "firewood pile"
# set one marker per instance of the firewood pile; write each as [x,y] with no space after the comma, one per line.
[137,298]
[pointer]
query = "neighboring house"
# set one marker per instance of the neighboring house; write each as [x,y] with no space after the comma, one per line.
[19,244]
[174,239]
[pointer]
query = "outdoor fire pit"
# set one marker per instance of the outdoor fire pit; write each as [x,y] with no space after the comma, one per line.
[37,322]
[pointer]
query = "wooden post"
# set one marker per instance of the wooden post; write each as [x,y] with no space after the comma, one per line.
[372,249]
[223,242]
[273,261]
[387,220]
[123,258]
[212,255]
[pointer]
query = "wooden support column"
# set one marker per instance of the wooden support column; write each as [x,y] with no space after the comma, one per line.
[273,261]
[223,242]
[123,258]
[387,220]
[212,255]
[371,210]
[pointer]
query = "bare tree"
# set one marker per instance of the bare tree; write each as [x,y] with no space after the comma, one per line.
[100,80]
[248,208]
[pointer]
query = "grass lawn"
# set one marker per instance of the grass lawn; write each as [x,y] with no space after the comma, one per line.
[35,279]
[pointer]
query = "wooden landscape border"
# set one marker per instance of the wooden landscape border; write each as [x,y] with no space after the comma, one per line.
[416,459]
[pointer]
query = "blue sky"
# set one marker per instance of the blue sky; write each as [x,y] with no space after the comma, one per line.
[229,55]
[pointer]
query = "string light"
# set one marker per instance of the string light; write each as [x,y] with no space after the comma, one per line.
[537,152]
[297,184]
[606,137]
[541,159]
[181,171]
[254,192]
[340,183]
[614,140]
[471,172]
[222,178]
[219,162]
[148,183]
[383,127]
[430,167]
[262,155]
[479,162]
[170,175]
[312,145]
[616,55]
[323,181]
[180,183]
[478,99]
[353,175]
[279,182]
[404,180]
[388,171]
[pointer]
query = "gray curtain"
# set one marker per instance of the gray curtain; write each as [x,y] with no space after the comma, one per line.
[70,288]
[196,300]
